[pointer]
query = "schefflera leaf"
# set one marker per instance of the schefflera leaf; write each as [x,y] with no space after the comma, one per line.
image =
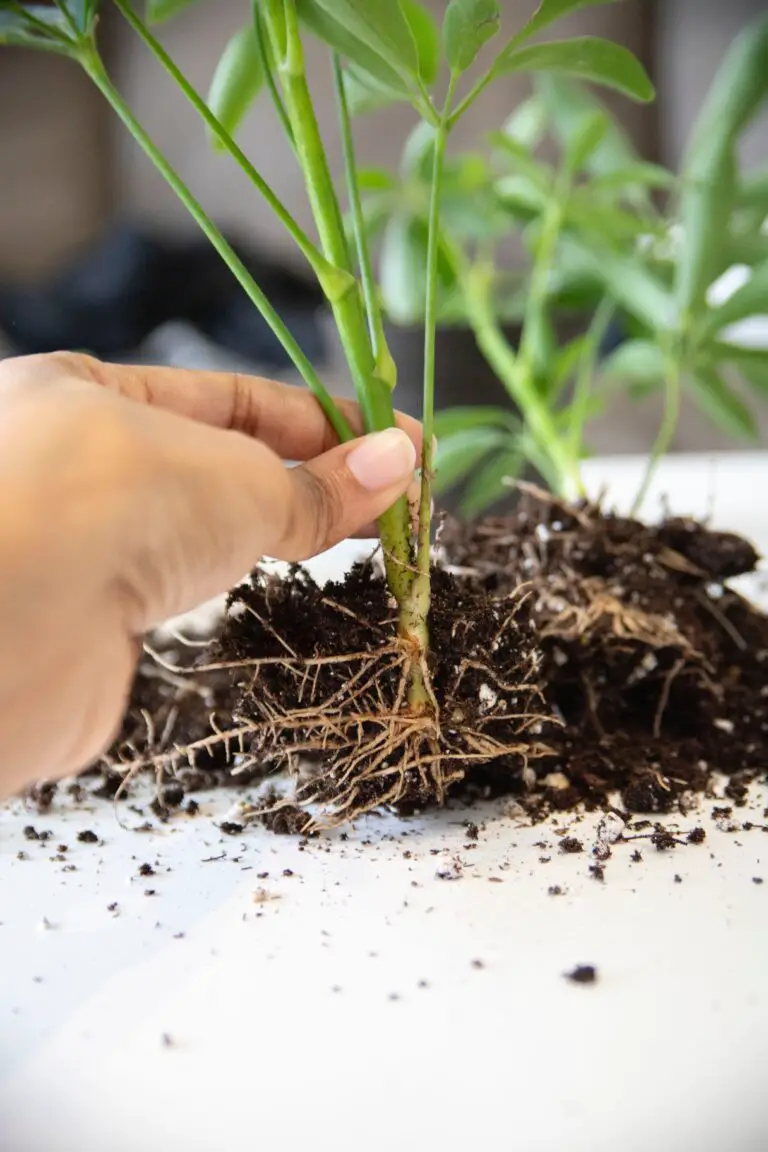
[237,81]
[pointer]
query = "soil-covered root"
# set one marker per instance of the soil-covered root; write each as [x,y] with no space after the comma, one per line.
[322,690]
[656,666]
[173,704]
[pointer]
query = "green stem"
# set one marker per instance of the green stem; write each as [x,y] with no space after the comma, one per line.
[419,602]
[534,411]
[333,281]
[269,74]
[666,430]
[585,378]
[374,397]
[479,87]
[94,67]
[381,355]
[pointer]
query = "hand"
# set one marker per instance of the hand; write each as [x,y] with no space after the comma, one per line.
[130,494]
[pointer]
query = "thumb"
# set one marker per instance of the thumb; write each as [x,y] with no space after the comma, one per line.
[331,497]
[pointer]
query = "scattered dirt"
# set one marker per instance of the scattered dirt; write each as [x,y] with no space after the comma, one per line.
[582,974]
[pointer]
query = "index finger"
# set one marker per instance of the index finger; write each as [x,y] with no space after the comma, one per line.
[286,418]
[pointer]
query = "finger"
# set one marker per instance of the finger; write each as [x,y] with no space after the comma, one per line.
[288,419]
[334,496]
[221,502]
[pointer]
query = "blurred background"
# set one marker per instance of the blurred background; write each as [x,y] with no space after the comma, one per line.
[96,253]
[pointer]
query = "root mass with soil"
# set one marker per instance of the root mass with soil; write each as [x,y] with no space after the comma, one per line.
[576,655]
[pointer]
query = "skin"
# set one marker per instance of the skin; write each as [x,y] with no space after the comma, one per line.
[131,494]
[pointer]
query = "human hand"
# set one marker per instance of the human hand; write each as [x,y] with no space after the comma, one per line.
[131,494]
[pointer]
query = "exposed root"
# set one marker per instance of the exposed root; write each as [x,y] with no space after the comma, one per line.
[326,697]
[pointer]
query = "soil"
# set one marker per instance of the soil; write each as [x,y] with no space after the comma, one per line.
[578,658]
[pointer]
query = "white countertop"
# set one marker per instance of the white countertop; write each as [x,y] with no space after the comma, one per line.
[229,1011]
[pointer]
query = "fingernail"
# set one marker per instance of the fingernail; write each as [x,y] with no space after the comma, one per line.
[382,459]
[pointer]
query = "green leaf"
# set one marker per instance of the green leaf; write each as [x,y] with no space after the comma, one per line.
[639,175]
[418,151]
[158,11]
[36,27]
[753,192]
[549,11]
[586,140]
[625,279]
[381,27]
[450,421]
[587,57]
[636,362]
[721,405]
[237,81]
[752,363]
[365,93]
[467,26]
[376,180]
[522,161]
[487,485]
[710,163]
[749,300]
[426,38]
[341,39]
[567,104]
[527,124]
[590,215]
[459,453]
[403,267]
[83,12]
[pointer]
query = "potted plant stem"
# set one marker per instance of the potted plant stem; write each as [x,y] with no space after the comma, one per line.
[540,663]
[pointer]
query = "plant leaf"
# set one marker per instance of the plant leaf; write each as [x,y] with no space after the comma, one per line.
[639,174]
[721,405]
[467,26]
[426,37]
[586,140]
[527,124]
[158,11]
[753,192]
[403,267]
[376,180]
[382,27]
[637,362]
[321,23]
[549,11]
[365,93]
[416,163]
[237,81]
[522,161]
[749,300]
[486,486]
[450,421]
[36,27]
[587,57]
[567,103]
[459,453]
[750,362]
[709,166]
[83,12]
[625,279]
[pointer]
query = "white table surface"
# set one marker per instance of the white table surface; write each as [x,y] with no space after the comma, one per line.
[203,1018]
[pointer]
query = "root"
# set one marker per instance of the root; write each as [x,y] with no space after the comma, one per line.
[339,720]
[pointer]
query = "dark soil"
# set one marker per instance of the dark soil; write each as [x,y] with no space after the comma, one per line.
[657,668]
[576,657]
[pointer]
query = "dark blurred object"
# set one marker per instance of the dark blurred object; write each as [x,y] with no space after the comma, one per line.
[130,284]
